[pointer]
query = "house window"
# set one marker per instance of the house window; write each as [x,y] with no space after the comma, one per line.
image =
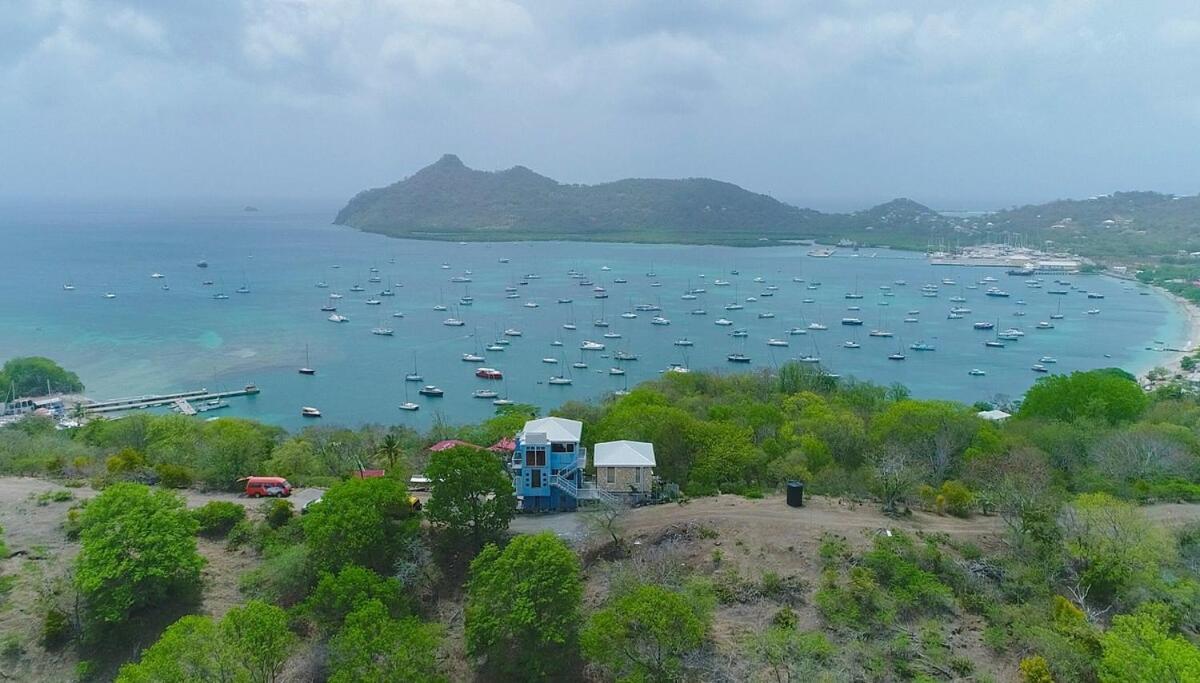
[637,476]
[535,457]
[612,475]
[562,448]
[537,479]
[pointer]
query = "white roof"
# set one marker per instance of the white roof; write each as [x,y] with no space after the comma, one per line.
[624,454]
[995,415]
[556,429]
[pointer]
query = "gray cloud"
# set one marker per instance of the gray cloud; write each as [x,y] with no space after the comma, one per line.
[822,102]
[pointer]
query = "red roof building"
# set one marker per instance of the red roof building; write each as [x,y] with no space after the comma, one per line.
[448,444]
[503,446]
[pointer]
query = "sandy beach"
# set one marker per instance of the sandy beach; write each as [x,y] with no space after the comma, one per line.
[1171,359]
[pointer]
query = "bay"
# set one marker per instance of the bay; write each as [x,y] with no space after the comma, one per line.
[151,339]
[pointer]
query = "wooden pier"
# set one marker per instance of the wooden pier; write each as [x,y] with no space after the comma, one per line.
[182,400]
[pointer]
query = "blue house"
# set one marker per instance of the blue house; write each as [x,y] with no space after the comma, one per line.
[547,465]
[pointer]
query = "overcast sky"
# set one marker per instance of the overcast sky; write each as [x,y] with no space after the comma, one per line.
[825,103]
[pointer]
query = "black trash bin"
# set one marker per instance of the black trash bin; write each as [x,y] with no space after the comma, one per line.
[795,494]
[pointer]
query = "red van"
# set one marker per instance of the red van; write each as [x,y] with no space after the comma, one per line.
[271,487]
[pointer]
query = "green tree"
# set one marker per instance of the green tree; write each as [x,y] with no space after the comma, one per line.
[1106,395]
[29,376]
[936,432]
[472,495]
[1139,648]
[337,595]
[138,550]
[372,647]
[258,639]
[644,634]
[390,450]
[1112,547]
[249,645]
[522,611]
[361,521]
[232,448]
[188,651]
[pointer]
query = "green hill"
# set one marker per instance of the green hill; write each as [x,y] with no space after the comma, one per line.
[449,201]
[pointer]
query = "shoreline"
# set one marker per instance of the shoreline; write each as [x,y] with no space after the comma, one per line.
[1191,314]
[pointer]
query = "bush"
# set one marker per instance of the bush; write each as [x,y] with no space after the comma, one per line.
[174,476]
[138,550]
[337,595]
[125,461]
[1035,670]
[11,647]
[277,512]
[957,498]
[243,533]
[217,517]
[55,496]
[284,577]
[56,628]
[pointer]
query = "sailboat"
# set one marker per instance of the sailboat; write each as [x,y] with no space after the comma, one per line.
[307,369]
[503,400]
[560,379]
[408,405]
[414,376]
[1057,314]
[245,288]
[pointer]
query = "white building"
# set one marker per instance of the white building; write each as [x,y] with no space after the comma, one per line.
[625,468]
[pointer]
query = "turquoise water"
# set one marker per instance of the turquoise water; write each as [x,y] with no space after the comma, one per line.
[149,340]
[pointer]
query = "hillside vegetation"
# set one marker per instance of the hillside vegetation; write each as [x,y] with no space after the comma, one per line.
[1061,575]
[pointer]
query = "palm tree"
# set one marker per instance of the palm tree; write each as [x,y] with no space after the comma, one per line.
[390,450]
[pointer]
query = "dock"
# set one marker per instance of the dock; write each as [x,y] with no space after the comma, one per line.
[181,400]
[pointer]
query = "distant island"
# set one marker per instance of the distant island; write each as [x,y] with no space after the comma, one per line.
[449,201]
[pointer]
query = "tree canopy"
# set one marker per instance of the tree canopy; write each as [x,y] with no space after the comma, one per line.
[472,494]
[360,521]
[373,647]
[1107,395]
[644,634]
[36,376]
[522,612]
[138,548]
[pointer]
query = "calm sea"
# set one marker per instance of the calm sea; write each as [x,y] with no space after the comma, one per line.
[151,339]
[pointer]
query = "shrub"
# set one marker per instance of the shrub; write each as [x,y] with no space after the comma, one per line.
[55,496]
[337,595]
[242,533]
[957,498]
[174,476]
[284,577]
[646,634]
[277,512]
[372,646]
[11,647]
[56,628]
[785,617]
[73,522]
[125,461]
[217,517]
[1035,670]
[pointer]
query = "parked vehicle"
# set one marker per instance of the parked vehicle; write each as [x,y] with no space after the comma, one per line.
[269,487]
